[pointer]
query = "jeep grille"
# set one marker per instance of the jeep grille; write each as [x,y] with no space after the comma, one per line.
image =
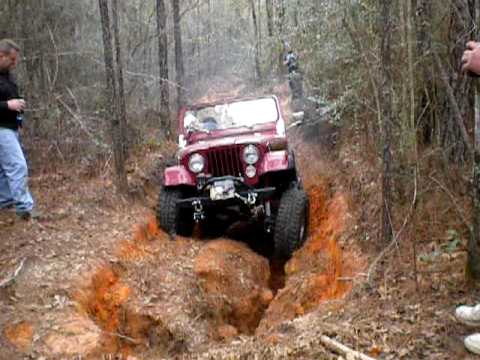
[225,161]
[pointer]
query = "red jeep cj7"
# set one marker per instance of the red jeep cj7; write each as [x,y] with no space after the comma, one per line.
[234,158]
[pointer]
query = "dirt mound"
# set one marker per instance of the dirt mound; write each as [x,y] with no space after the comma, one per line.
[234,281]
[74,334]
[20,335]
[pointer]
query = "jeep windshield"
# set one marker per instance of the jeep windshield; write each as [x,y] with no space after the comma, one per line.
[240,114]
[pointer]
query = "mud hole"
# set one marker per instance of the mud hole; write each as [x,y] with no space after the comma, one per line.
[161,298]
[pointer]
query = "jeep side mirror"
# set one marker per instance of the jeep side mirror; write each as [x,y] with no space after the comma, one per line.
[182,142]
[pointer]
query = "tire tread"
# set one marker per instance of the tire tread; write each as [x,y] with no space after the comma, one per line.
[293,204]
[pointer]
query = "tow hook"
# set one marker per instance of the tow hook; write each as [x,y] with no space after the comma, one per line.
[198,213]
[250,200]
[268,221]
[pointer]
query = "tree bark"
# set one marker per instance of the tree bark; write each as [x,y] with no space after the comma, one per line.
[461,31]
[385,55]
[163,66]
[295,13]
[118,154]
[257,42]
[425,114]
[473,247]
[280,15]
[269,9]
[180,73]
[279,19]
[120,106]
[453,103]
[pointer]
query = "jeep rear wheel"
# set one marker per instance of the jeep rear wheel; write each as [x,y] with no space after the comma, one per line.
[291,222]
[171,218]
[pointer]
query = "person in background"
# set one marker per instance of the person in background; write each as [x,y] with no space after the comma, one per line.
[470,315]
[294,76]
[13,167]
[291,61]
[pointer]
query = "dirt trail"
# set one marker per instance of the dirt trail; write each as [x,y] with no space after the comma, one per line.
[157,297]
[140,294]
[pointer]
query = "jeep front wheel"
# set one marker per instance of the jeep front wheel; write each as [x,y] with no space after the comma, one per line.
[291,222]
[171,218]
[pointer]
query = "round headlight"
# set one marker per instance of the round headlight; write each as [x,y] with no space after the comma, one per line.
[196,163]
[250,154]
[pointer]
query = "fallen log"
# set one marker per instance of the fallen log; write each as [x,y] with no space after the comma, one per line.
[345,350]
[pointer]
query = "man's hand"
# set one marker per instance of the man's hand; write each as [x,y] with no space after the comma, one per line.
[471,58]
[16,104]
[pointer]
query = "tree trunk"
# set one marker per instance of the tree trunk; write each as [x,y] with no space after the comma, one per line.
[177,33]
[208,59]
[461,31]
[280,15]
[295,14]
[473,260]
[257,42]
[454,106]
[385,55]
[425,114]
[269,8]
[163,66]
[473,247]
[120,106]
[118,154]
[280,18]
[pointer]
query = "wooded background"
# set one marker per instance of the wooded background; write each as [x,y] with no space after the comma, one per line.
[388,67]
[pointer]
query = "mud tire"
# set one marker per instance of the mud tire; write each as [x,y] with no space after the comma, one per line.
[291,223]
[170,218]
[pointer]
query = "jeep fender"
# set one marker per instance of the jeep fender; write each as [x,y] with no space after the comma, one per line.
[275,161]
[178,175]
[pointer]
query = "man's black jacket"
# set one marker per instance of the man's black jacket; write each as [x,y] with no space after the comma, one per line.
[8,91]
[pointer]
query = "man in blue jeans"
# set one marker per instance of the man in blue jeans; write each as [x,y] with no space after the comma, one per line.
[13,167]
[470,315]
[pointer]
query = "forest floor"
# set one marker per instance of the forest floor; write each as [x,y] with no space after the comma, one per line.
[94,277]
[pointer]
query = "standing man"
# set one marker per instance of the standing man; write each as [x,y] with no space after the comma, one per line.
[290,60]
[13,167]
[294,77]
[470,315]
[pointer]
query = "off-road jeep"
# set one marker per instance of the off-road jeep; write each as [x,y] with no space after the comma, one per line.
[234,158]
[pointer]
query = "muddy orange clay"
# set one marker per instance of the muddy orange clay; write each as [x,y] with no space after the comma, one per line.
[137,248]
[20,335]
[327,220]
[103,301]
[131,251]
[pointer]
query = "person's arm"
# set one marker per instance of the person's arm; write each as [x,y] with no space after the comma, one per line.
[13,105]
[471,58]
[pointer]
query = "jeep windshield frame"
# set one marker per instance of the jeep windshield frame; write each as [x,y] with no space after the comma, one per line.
[226,118]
